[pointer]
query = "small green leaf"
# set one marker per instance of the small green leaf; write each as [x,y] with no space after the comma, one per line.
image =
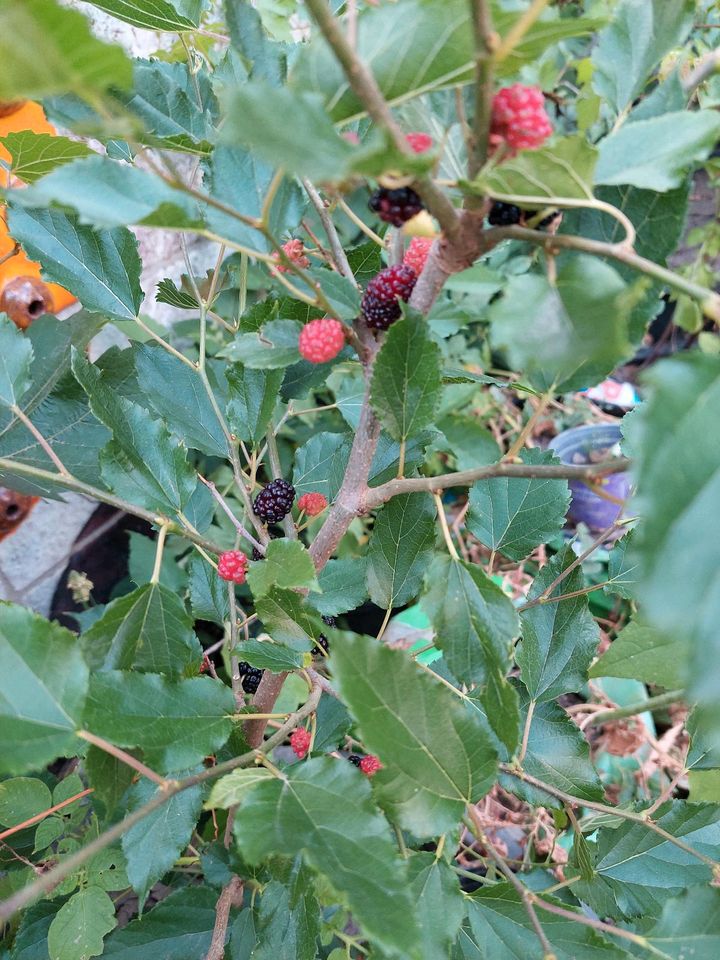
[644,653]
[232,789]
[167,292]
[109,778]
[515,515]
[289,920]
[559,638]
[80,926]
[320,464]
[340,292]
[287,564]
[174,16]
[179,928]
[401,549]
[288,618]
[342,582]
[583,857]
[43,682]
[405,388]
[437,754]
[35,154]
[15,359]
[564,170]
[269,656]
[21,798]
[622,568]
[440,903]
[208,593]
[272,348]
[252,396]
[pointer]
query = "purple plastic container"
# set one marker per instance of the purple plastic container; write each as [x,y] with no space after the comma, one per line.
[587,507]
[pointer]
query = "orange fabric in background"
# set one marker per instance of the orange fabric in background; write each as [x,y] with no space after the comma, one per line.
[29,117]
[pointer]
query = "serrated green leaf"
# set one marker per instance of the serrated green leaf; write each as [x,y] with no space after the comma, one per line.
[343,586]
[437,755]
[173,105]
[72,58]
[288,921]
[468,441]
[287,564]
[323,810]
[320,464]
[167,292]
[233,788]
[559,639]
[31,938]
[43,683]
[340,292]
[622,568]
[101,269]
[689,926]
[152,845]
[269,656]
[576,332]
[178,928]
[582,856]
[288,618]
[80,925]
[15,359]
[208,593]
[400,549]
[252,396]
[274,347]
[564,170]
[656,154]
[174,16]
[109,778]
[147,630]
[405,388]
[515,515]
[176,723]
[35,154]
[21,798]
[440,903]
[644,653]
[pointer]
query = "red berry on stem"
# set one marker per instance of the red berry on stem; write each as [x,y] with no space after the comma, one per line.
[370,765]
[519,119]
[417,253]
[380,304]
[300,742]
[233,566]
[420,142]
[295,251]
[313,503]
[321,340]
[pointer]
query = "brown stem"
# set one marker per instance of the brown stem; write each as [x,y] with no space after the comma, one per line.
[263,701]
[123,756]
[484,44]
[29,425]
[236,523]
[45,813]
[633,709]
[338,254]
[231,896]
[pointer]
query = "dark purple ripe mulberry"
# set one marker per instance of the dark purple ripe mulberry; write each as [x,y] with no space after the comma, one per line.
[355,758]
[251,676]
[275,501]
[504,214]
[323,640]
[396,206]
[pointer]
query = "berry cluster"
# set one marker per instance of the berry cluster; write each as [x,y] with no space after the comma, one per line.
[369,764]
[275,501]
[507,214]
[518,118]
[313,503]
[323,641]
[251,676]
[321,340]
[396,206]
[294,250]
[233,566]
[380,305]
[300,741]
[417,253]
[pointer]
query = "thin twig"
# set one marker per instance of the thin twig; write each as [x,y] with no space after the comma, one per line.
[659,702]
[518,30]
[27,422]
[485,41]
[444,526]
[45,813]
[122,755]
[226,507]
[360,224]
[338,253]
[526,730]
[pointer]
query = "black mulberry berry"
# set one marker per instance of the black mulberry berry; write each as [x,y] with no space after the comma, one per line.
[274,502]
[396,206]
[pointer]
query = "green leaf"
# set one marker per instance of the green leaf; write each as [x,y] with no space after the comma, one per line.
[343,585]
[632,45]
[163,378]
[287,564]
[622,568]
[288,619]
[400,549]
[320,464]
[559,638]
[72,58]
[178,928]
[440,903]
[30,941]
[469,442]
[558,754]
[168,293]
[174,16]
[208,593]
[109,778]
[176,723]
[147,630]
[564,170]
[289,919]
[340,292]
[249,38]
[438,755]
[275,346]
[499,929]
[406,380]
[689,926]
[515,515]
[43,682]
[576,332]
[35,154]
[80,925]
[143,462]
[641,652]
[101,269]
[656,154]
[21,798]
[15,359]
[323,809]
[252,398]
[269,656]
[233,788]
[152,846]
[677,546]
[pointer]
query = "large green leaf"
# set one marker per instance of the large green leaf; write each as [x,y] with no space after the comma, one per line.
[152,845]
[15,360]
[80,926]
[43,682]
[576,332]
[689,926]
[644,653]
[323,809]
[178,928]
[147,630]
[438,756]
[101,269]
[629,48]
[264,59]
[47,49]
[499,929]
[35,154]
[564,170]
[287,564]
[269,656]
[176,723]
[288,922]
[173,15]
[656,154]
[560,637]
[406,381]
[252,396]
[343,585]
[288,618]
[677,546]
[440,903]
[515,515]
[400,549]
[21,798]
[30,941]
